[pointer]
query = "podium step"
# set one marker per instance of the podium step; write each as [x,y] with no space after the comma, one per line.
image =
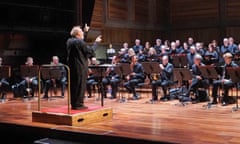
[73,119]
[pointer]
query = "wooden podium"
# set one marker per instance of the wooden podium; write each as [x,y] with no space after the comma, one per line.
[65,116]
[77,118]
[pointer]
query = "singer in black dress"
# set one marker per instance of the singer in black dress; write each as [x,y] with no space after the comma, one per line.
[78,54]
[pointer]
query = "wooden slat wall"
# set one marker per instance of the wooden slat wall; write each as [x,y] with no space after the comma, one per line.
[97,17]
[141,10]
[117,9]
[126,20]
[188,10]
[204,20]
[233,9]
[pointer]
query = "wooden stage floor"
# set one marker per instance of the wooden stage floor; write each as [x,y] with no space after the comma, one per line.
[160,122]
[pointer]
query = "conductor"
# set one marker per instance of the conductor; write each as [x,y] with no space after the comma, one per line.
[78,53]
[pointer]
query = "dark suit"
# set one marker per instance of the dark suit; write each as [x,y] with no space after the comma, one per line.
[164,81]
[134,80]
[190,57]
[226,85]
[112,79]
[78,54]
[196,83]
[137,48]
[4,86]
[62,81]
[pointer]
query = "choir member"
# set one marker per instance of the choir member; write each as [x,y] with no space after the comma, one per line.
[137,47]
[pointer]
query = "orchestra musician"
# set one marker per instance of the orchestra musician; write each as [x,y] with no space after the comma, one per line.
[198,80]
[92,77]
[164,81]
[4,84]
[112,79]
[224,81]
[28,84]
[135,77]
[53,82]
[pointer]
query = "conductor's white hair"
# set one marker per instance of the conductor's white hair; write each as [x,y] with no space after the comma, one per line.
[75,30]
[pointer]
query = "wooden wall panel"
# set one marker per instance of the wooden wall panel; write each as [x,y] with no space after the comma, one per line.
[117,9]
[233,32]
[141,10]
[121,35]
[203,35]
[233,9]
[97,17]
[189,10]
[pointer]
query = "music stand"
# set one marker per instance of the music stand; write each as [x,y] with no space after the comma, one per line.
[182,74]
[234,74]
[151,67]
[208,72]
[5,71]
[50,73]
[179,61]
[123,70]
[29,71]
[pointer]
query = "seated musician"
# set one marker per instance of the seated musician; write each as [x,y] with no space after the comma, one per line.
[198,80]
[4,84]
[224,81]
[53,82]
[92,77]
[112,78]
[164,81]
[137,76]
[28,84]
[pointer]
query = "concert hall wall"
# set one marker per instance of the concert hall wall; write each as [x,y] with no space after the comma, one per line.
[204,20]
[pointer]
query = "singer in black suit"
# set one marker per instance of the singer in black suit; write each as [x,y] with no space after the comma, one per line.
[78,54]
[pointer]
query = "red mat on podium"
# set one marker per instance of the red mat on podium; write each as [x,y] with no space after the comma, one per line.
[64,109]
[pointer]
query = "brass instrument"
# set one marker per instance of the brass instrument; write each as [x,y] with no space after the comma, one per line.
[155,76]
[28,89]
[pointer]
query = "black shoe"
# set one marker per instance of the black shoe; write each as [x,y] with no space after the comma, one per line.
[135,97]
[45,97]
[79,107]
[195,101]
[112,97]
[214,102]
[152,101]
[164,98]
[224,103]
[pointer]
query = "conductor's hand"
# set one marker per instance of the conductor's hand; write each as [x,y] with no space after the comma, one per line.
[98,39]
[86,28]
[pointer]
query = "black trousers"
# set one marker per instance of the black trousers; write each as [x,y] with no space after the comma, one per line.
[196,83]
[114,84]
[78,80]
[164,84]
